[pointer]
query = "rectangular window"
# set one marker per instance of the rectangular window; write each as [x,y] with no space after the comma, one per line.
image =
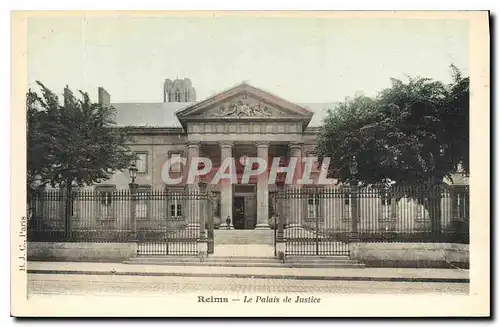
[142,203]
[312,208]
[175,209]
[141,162]
[176,166]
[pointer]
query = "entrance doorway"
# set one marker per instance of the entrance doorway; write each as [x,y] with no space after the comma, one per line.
[239,212]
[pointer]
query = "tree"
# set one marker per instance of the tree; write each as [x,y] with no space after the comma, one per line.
[73,143]
[38,140]
[413,133]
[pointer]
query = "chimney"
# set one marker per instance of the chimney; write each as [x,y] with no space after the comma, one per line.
[103,96]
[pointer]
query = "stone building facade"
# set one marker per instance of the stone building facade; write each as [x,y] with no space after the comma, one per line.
[243,121]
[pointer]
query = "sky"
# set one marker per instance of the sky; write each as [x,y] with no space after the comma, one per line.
[299,59]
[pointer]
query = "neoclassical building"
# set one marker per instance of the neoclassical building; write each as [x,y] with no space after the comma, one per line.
[242,121]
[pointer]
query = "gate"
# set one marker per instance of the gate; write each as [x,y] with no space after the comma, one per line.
[312,222]
[168,223]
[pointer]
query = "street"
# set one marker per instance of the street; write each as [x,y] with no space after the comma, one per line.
[54,284]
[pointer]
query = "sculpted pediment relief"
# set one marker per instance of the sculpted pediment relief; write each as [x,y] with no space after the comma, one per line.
[246,102]
[243,106]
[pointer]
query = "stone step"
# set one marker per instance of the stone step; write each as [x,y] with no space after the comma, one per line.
[315,258]
[249,261]
[276,264]
[208,259]
[235,236]
[319,261]
[236,242]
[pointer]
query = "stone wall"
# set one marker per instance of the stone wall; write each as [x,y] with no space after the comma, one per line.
[91,252]
[421,255]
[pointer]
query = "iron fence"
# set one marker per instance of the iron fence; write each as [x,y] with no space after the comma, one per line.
[92,216]
[322,221]
[161,222]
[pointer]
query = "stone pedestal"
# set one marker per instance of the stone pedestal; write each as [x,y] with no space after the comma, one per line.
[202,249]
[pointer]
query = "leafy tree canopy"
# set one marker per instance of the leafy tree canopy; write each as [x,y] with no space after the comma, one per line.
[413,132]
[73,141]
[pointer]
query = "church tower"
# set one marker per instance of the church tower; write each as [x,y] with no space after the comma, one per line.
[179,90]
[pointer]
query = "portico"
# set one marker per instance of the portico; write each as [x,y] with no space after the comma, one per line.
[245,192]
[238,123]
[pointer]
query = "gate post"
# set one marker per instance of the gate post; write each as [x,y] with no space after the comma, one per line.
[280,242]
[317,218]
[354,235]
[133,219]
[203,206]
[210,223]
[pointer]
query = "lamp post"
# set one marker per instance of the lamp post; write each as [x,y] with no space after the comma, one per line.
[353,170]
[132,172]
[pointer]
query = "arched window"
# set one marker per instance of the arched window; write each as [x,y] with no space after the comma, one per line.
[177,96]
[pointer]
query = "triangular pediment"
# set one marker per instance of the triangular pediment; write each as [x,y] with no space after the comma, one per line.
[243,105]
[244,101]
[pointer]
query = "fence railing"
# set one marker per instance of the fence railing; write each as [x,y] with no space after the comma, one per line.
[113,216]
[375,214]
[370,214]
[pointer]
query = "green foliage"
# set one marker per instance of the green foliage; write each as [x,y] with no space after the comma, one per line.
[74,142]
[412,133]
[40,152]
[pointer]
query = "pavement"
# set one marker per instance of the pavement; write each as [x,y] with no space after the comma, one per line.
[95,290]
[325,274]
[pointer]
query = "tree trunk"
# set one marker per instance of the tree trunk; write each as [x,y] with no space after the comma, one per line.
[68,211]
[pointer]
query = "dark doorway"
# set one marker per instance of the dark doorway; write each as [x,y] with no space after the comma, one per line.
[239,212]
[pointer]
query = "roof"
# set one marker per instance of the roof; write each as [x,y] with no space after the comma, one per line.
[163,114]
[148,114]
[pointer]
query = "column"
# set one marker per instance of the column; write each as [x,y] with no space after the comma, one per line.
[296,198]
[192,198]
[263,190]
[226,190]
